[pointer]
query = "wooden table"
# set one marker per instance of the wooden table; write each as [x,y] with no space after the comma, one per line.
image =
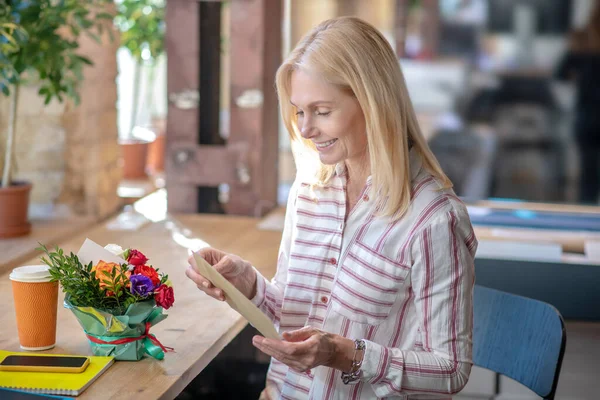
[198,327]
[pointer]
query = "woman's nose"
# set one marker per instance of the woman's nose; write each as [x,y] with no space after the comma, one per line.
[307,130]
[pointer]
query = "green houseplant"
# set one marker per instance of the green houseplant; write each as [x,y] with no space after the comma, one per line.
[142,27]
[39,45]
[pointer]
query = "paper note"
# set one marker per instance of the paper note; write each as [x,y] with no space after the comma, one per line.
[92,252]
[237,300]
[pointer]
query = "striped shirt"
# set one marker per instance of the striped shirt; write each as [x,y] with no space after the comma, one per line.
[404,286]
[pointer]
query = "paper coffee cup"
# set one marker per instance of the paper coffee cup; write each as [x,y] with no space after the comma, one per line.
[36,300]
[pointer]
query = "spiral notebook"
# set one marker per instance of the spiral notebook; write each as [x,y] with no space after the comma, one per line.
[67,384]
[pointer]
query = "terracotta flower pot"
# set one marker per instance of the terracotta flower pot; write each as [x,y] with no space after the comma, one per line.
[14,206]
[134,154]
[156,154]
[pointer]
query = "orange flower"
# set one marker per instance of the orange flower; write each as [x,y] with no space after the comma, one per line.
[103,268]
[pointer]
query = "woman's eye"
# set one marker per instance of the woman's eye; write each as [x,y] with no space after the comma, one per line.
[299,113]
[323,114]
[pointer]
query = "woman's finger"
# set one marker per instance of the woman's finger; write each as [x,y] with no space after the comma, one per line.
[204,285]
[299,335]
[283,352]
[211,255]
[226,267]
[268,350]
[216,293]
[198,279]
[284,349]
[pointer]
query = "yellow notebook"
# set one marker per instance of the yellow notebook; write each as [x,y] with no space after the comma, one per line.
[68,384]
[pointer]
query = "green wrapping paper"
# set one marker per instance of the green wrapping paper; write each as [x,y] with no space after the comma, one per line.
[108,327]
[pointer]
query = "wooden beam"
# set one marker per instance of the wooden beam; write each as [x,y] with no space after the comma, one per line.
[210,90]
[183,66]
[431,28]
[198,159]
[210,73]
[347,7]
[255,57]
[400,23]
[207,165]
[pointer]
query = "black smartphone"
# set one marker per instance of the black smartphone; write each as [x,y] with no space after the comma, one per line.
[39,363]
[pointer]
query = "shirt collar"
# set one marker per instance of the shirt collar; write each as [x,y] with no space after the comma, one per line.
[340,169]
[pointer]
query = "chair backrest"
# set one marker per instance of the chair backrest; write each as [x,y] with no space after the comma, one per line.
[521,338]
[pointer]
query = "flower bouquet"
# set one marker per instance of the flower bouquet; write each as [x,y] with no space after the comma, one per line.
[115,295]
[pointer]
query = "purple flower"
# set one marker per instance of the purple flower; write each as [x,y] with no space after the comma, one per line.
[141,285]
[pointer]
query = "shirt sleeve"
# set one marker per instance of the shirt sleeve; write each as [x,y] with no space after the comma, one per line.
[269,295]
[442,275]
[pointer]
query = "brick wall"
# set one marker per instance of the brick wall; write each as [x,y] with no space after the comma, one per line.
[39,143]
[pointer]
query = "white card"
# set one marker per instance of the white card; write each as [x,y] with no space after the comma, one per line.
[92,252]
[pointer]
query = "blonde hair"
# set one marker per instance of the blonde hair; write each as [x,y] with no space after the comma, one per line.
[355,56]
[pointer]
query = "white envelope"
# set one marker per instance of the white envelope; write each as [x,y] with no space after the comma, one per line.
[237,300]
[92,252]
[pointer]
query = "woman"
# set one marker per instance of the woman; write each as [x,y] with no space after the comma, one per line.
[373,290]
[582,63]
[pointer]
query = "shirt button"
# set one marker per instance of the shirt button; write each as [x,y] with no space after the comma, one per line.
[333,261]
[366,197]
[324,299]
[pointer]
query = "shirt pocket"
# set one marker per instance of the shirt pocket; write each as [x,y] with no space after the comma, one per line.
[367,285]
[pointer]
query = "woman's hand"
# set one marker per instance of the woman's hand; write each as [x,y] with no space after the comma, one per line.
[307,348]
[237,271]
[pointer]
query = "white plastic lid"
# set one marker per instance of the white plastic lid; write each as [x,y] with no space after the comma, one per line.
[31,273]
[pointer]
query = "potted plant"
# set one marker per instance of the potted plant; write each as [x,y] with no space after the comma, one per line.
[14,196]
[39,45]
[142,26]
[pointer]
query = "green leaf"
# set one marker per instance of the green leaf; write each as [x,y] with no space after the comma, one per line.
[84,60]
[30,41]
[93,36]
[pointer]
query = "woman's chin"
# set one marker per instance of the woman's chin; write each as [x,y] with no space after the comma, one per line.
[326,159]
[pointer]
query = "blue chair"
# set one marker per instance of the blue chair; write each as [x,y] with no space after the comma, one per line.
[521,338]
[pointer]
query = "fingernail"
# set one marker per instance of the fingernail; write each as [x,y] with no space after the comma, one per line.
[205,284]
[257,340]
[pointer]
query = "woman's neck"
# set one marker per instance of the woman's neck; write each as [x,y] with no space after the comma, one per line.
[359,169]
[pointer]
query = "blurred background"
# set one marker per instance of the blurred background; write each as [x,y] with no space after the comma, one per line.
[505,92]
[490,86]
[493,83]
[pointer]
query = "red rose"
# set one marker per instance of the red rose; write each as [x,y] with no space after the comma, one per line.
[164,296]
[149,272]
[136,258]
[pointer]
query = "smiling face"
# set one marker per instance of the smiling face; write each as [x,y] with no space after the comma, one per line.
[329,117]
